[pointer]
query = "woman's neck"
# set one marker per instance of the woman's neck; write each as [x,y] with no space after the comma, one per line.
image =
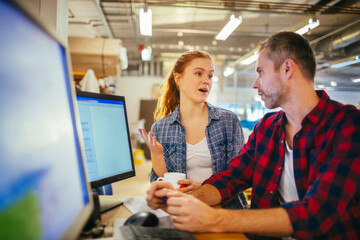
[191,111]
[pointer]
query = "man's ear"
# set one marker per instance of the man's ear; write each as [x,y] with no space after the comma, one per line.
[289,67]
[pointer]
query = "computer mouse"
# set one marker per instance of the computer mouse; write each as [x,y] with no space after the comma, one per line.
[145,219]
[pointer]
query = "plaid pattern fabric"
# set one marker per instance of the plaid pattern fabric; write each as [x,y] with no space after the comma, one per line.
[326,154]
[224,136]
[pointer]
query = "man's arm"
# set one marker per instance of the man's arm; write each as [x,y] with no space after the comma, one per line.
[190,214]
[273,222]
[208,194]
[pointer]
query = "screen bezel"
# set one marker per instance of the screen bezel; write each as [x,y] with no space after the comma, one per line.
[121,176]
[81,218]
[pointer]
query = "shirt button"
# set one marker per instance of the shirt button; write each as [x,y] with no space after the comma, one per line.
[296,135]
[279,168]
[271,192]
[282,141]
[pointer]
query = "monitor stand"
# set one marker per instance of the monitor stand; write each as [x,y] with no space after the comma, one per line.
[107,203]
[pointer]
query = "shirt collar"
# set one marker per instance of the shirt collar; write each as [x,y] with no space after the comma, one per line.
[315,114]
[213,113]
[319,110]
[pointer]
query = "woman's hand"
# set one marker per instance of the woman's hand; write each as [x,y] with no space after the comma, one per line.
[155,147]
[188,186]
[157,152]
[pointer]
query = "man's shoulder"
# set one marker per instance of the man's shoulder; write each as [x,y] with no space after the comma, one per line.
[271,118]
[343,111]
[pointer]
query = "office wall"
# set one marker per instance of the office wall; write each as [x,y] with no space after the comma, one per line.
[135,89]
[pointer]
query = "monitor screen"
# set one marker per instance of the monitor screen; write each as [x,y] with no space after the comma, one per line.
[44,193]
[106,138]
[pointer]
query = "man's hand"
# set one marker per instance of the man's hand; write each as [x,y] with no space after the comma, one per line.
[190,214]
[157,195]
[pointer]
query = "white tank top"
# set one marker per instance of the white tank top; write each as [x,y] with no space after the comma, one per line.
[198,161]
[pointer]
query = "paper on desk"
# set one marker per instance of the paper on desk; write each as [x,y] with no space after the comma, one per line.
[138,204]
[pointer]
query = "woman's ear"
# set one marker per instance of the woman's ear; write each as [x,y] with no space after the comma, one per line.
[177,79]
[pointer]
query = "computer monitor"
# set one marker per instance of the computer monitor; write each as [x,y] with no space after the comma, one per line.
[44,192]
[107,142]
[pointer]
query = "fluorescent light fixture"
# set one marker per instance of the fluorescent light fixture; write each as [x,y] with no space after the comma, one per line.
[229,28]
[145,22]
[346,63]
[356,80]
[250,59]
[312,24]
[228,71]
[146,54]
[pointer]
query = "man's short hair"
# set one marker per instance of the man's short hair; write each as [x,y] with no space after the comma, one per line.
[284,45]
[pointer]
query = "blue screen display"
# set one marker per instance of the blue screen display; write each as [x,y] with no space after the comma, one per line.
[106,141]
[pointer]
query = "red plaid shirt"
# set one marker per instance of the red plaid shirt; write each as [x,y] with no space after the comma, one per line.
[326,153]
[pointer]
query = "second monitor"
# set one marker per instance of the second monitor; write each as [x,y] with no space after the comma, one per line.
[106,137]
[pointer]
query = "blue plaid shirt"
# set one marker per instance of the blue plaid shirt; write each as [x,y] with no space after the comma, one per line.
[224,136]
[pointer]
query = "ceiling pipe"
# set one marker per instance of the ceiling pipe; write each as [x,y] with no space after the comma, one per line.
[135,22]
[346,38]
[340,40]
[103,18]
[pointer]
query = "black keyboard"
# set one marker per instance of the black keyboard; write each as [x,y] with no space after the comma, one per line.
[136,233]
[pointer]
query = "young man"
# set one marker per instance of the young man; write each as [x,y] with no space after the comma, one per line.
[302,163]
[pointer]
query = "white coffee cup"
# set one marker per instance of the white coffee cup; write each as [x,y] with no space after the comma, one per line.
[173,178]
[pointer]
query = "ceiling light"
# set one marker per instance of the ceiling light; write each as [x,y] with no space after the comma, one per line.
[351,61]
[356,80]
[321,86]
[250,59]
[229,28]
[312,24]
[228,71]
[333,84]
[145,22]
[214,42]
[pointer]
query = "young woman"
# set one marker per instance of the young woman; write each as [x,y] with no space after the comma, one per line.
[190,135]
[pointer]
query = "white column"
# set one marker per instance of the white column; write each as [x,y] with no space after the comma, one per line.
[53,13]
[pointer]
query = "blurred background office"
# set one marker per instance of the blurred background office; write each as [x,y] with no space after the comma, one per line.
[127,47]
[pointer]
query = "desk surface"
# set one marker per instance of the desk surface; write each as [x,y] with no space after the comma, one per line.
[137,186]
